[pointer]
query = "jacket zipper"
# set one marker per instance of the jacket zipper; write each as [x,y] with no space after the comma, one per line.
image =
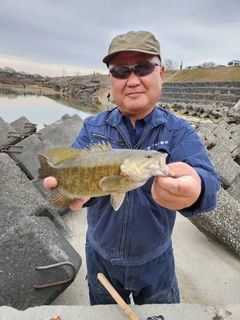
[125,224]
[126,215]
[124,138]
[143,138]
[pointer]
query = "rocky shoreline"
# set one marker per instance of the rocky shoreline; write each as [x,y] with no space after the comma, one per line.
[28,218]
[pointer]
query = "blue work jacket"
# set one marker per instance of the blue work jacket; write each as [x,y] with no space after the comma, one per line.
[141,229]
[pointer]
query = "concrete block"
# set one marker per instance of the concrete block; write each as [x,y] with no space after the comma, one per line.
[23,126]
[64,134]
[222,225]
[227,168]
[29,243]
[28,158]
[18,195]
[169,312]
[234,191]
[5,128]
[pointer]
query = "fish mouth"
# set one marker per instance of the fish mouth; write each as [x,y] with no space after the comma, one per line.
[163,166]
[158,168]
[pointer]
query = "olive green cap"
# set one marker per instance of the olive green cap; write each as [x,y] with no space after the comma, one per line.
[139,41]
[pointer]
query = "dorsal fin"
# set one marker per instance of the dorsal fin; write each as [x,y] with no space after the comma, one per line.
[60,154]
[98,147]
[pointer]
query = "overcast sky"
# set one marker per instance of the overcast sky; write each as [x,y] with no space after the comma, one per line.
[56,37]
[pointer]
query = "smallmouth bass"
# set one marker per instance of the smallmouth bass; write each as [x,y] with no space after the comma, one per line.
[98,171]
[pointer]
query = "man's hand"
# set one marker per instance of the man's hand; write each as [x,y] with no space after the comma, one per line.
[51,182]
[180,190]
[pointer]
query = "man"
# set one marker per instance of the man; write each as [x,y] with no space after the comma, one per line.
[132,247]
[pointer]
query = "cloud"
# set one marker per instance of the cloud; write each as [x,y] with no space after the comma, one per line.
[75,35]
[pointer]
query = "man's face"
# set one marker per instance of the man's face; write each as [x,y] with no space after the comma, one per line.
[136,96]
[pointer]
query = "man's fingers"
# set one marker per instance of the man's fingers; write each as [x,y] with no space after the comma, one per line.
[77,205]
[179,169]
[50,182]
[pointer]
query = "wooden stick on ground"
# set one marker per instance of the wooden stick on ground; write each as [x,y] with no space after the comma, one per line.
[122,304]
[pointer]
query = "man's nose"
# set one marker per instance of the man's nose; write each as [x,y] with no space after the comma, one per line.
[133,78]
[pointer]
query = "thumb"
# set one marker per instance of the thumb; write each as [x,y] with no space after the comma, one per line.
[50,182]
[179,169]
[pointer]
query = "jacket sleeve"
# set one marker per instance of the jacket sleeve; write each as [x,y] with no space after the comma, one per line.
[207,200]
[189,148]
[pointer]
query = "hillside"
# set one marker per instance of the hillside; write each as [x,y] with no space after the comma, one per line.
[224,74]
[95,87]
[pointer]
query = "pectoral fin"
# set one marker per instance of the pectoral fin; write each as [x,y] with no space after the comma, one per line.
[117,199]
[111,183]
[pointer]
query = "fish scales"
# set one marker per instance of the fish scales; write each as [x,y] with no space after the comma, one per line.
[81,176]
[98,171]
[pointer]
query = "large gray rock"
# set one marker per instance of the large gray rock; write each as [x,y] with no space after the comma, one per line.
[32,234]
[5,140]
[205,132]
[32,242]
[18,196]
[27,218]
[222,225]
[62,134]
[227,168]
[23,127]
[235,133]
[27,159]
[234,190]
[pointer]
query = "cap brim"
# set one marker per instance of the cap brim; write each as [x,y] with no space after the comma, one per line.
[110,56]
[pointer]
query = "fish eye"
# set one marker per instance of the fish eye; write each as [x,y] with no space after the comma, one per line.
[148,156]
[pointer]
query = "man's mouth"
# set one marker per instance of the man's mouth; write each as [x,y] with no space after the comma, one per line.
[134,94]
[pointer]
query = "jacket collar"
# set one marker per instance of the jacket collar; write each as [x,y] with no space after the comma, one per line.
[158,117]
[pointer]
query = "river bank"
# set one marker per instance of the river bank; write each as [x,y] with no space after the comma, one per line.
[29,89]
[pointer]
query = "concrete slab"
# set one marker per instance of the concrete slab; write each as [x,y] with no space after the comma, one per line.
[207,274]
[5,128]
[222,225]
[21,189]
[58,135]
[34,242]
[28,158]
[169,312]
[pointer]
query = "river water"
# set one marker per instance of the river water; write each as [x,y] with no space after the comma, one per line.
[40,109]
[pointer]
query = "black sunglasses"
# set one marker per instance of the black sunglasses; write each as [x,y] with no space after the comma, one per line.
[140,69]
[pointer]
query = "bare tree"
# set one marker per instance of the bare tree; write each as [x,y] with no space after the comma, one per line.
[9,70]
[208,64]
[169,64]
